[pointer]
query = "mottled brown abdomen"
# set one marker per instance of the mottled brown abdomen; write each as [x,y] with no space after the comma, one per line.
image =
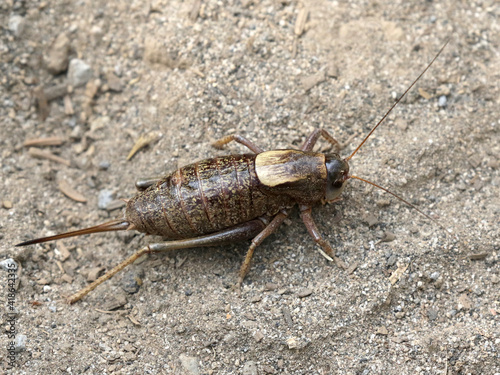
[202,198]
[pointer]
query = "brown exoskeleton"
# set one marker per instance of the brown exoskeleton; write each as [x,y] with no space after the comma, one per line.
[233,198]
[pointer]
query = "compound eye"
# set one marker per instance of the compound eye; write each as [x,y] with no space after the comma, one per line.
[337,184]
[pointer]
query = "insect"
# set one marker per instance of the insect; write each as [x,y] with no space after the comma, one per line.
[234,198]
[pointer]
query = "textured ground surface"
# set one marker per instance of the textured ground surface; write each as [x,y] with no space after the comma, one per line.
[193,74]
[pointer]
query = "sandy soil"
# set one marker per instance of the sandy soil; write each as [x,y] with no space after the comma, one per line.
[193,72]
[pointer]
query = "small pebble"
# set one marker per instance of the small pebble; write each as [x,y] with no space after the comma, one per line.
[79,73]
[58,57]
[388,237]
[8,264]
[115,302]
[104,165]
[104,198]
[93,273]
[190,364]
[370,219]
[383,202]
[268,369]
[292,343]
[477,290]
[114,83]
[382,331]
[250,368]
[464,302]
[20,343]
[16,24]
[271,286]
[442,101]
[432,314]
[392,260]
[304,292]
[256,299]
[258,336]
[434,276]
[131,282]
[115,205]
[7,205]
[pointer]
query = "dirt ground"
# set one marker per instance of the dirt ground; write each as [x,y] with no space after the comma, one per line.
[414,300]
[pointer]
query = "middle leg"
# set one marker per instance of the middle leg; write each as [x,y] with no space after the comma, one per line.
[313,138]
[306,215]
[270,228]
[241,140]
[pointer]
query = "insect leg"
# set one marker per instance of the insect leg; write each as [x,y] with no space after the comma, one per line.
[241,140]
[143,183]
[313,138]
[270,228]
[306,215]
[237,233]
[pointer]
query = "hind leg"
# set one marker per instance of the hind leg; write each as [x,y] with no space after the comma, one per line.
[237,233]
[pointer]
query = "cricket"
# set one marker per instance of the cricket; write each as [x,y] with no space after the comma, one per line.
[235,198]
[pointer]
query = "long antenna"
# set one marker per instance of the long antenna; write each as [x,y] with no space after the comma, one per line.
[396,103]
[401,199]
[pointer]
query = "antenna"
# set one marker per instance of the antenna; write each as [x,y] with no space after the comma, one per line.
[402,200]
[396,103]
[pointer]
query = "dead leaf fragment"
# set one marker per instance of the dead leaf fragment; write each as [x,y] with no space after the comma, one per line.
[67,278]
[309,82]
[42,103]
[388,237]
[63,250]
[300,23]
[71,193]
[93,273]
[396,275]
[382,330]
[479,256]
[424,94]
[40,142]
[143,141]
[464,302]
[68,106]
[195,10]
[39,154]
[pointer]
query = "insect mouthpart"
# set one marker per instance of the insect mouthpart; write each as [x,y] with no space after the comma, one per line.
[338,174]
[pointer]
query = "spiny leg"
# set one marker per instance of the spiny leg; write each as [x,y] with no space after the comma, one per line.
[241,140]
[314,136]
[237,233]
[270,228]
[306,215]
